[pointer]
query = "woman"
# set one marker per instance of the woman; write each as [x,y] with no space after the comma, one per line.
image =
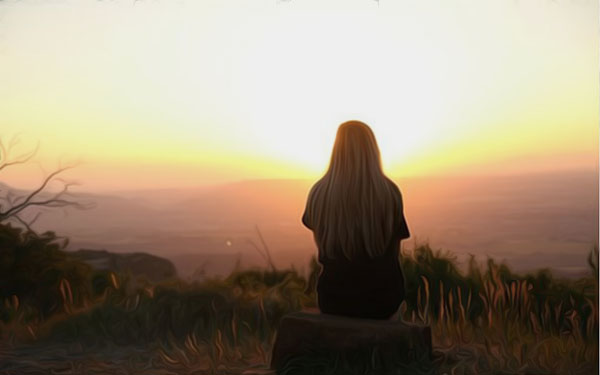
[357,219]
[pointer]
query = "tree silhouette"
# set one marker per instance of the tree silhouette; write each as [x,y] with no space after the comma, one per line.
[14,203]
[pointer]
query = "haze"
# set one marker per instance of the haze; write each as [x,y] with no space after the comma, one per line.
[530,221]
[192,122]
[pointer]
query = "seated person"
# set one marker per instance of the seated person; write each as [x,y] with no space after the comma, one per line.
[357,219]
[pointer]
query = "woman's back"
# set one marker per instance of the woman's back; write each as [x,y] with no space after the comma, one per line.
[357,218]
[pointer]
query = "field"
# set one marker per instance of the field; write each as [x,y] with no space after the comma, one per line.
[61,316]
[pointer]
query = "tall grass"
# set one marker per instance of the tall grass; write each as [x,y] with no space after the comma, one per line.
[486,320]
[492,320]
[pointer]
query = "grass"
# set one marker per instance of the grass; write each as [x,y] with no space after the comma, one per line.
[493,321]
[487,320]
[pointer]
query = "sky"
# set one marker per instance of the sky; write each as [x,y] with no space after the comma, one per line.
[154,94]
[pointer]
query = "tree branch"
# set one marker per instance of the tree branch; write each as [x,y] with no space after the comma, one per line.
[27,225]
[12,204]
[21,159]
[18,207]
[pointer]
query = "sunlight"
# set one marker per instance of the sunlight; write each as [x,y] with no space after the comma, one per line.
[255,90]
[301,83]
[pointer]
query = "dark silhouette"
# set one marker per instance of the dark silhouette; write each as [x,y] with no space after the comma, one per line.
[356,215]
[14,203]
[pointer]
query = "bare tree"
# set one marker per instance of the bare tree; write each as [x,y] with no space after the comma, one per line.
[14,204]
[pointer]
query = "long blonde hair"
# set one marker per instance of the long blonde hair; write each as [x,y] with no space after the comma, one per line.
[353,206]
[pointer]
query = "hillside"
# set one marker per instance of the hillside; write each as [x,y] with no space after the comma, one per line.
[150,267]
[530,221]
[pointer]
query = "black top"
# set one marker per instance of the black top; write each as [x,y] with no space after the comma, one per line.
[363,287]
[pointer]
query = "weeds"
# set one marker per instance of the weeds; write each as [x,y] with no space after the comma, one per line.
[487,320]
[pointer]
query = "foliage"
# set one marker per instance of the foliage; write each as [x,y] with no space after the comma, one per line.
[494,320]
[486,320]
[38,276]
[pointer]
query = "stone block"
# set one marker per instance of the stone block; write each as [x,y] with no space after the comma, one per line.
[309,341]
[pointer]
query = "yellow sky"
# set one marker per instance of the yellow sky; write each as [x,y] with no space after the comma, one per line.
[179,93]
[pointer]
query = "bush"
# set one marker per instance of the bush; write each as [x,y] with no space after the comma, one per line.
[38,276]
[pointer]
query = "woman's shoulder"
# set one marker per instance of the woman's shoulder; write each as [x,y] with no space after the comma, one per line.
[392,184]
[394,188]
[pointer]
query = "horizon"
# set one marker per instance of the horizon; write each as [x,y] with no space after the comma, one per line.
[426,176]
[508,218]
[83,188]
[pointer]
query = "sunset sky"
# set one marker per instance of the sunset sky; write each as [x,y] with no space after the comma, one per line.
[184,93]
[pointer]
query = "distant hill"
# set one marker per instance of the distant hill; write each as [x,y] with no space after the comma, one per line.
[151,267]
[530,221]
[197,266]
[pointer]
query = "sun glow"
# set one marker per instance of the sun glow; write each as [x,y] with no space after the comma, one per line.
[227,90]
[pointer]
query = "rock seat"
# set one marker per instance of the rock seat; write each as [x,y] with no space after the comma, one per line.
[310,342]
